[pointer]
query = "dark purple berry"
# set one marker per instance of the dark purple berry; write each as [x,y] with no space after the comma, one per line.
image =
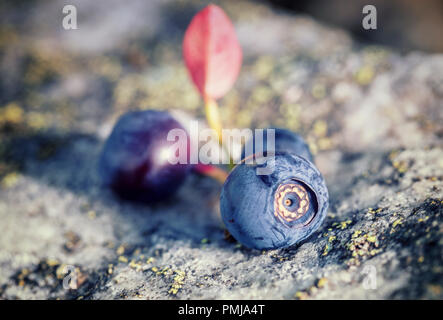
[135,160]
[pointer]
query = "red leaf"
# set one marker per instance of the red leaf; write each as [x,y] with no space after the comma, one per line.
[212,52]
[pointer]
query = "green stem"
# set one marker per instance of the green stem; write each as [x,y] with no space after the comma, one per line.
[214,121]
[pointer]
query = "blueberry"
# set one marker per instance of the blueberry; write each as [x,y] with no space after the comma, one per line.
[285,140]
[276,210]
[134,161]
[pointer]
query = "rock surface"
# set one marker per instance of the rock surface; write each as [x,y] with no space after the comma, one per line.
[373,118]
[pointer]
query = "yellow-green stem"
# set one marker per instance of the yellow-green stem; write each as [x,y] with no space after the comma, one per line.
[214,121]
[213,117]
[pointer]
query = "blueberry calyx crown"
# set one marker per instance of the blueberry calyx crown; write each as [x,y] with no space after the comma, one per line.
[294,203]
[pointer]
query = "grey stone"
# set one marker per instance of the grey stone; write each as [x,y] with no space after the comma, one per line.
[381,155]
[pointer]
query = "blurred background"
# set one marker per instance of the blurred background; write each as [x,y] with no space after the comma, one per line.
[369,103]
[404,24]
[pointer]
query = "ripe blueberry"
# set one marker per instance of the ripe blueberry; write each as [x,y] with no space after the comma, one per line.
[135,159]
[285,140]
[276,210]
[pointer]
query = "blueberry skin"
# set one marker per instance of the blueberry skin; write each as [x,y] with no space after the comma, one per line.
[247,202]
[131,163]
[285,140]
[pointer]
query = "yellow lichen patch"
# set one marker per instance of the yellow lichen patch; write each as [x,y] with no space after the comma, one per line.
[365,75]
[262,94]
[301,295]
[312,146]
[166,270]
[374,55]
[92,215]
[374,211]
[318,90]
[136,265]
[10,180]
[52,262]
[178,282]
[322,282]
[393,154]
[290,113]
[327,248]
[320,128]
[400,166]
[325,144]
[279,258]
[435,289]
[133,264]
[362,246]
[126,90]
[162,272]
[36,120]
[120,250]
[11,113]
[122,259]
[263,67]
[23,273]
[61,271]
[397,222]
[110,268]
[344,224]
[356,233]
[106,67]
